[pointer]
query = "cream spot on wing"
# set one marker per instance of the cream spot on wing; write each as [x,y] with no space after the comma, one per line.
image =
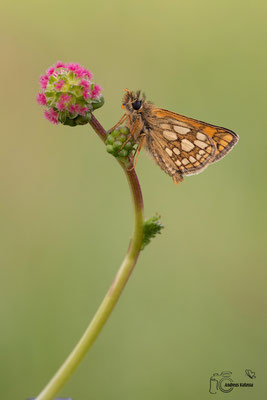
[165,126]
[198,156]
[175,122]
[200,144]
[168,151]
[176,151]
[192,159]
[201,136]
[181,129]
[201,152]
[169,135]
[177,162]
[185,161]
[186,145]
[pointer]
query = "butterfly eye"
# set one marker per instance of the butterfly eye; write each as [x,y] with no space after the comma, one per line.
[136,104]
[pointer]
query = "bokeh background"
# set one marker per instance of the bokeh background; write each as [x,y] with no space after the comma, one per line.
[196,303]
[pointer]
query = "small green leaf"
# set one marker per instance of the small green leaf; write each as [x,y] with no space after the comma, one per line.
[152,227]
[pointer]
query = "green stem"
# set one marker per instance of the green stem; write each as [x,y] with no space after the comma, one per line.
[114,291]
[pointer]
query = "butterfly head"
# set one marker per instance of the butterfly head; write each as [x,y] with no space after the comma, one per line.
[133,102]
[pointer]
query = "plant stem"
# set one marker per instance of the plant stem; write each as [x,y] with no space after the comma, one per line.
[114,291]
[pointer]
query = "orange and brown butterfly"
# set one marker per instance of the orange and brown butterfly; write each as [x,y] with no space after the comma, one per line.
[180,145]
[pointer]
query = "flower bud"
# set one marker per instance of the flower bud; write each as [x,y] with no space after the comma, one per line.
[120,143]
[69,95]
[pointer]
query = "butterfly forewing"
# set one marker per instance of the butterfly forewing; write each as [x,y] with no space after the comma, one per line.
[223,138]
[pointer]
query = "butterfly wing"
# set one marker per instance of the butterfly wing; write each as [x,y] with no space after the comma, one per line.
[223,138]
[185,146]
[179,147]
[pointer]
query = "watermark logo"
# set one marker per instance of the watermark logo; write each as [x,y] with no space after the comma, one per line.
[219,381]
[250,374]
[225,383]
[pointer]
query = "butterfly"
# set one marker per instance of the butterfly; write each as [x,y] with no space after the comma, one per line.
[180,145]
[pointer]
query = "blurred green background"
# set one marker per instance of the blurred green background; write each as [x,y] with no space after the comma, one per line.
[196,303]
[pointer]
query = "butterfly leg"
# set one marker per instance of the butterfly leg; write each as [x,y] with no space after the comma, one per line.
[137,127]
[127,140]
[139,148]
[119,123]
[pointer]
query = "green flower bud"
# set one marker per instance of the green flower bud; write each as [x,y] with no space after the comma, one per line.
[117,145]
[120,144]
[128,145]
[110,139]
[115,133]
[109,148]
[123,138]
[124,130]
[123,153]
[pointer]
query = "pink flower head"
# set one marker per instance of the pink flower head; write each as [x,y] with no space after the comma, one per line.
[86,95]
[60,64]
[43,81]
[82,110]
[76,68]
[63,102]
[85,83]
[71,67]
[41,99]
[65,97]
[59,84]
[73,108]
[96,91]
[87,73]
[50,71]
[51,115]
[68,94]
[61,106]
